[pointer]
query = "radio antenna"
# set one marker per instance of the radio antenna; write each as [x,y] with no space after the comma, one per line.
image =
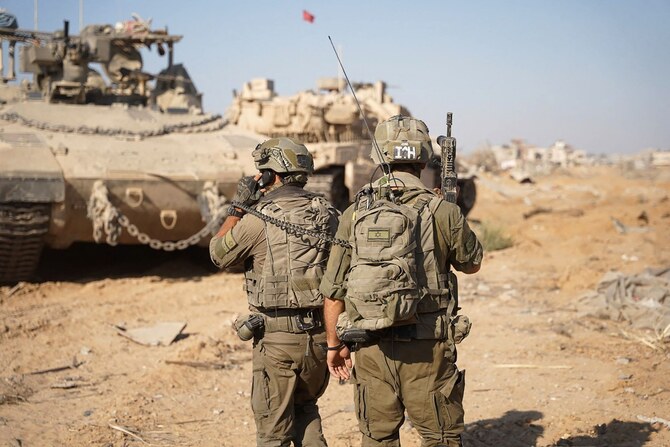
[386,168]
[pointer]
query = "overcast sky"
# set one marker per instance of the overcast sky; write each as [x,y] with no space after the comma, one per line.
[593,73]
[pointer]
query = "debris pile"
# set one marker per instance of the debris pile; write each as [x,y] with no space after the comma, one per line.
[641,299]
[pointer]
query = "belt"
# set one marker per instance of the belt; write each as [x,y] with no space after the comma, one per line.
[292,320]
[398,333]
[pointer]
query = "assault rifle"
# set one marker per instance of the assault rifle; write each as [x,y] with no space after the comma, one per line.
[449,177]
[450,194]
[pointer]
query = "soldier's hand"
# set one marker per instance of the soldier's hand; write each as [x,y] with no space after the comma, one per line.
[248,192]
[339,363]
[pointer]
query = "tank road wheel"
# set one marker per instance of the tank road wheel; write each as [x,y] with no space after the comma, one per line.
[467,194]
[22,230]
[330,184]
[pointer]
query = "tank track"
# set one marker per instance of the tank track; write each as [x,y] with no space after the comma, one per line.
[22,230]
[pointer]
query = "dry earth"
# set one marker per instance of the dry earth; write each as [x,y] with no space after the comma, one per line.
[541,372]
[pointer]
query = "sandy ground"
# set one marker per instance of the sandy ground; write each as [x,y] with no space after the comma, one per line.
[540,371]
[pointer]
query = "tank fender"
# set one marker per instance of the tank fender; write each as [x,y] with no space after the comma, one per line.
[30,172]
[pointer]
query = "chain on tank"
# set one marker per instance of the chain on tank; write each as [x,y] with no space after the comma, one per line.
[109,220]
[290,228]
[168,245]
[193,127]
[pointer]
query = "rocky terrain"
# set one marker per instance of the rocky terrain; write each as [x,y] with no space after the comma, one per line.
[543,369]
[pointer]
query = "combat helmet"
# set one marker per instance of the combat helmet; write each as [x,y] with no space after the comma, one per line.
[402,139]
[283,155]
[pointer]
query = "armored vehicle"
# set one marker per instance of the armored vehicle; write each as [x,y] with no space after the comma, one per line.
[328,121]
[93,148]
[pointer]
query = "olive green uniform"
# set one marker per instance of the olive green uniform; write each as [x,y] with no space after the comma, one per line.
[289,363]
[411,367]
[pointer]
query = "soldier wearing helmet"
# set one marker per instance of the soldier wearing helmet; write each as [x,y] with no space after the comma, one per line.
[402,308]
[402,140]
[283,271]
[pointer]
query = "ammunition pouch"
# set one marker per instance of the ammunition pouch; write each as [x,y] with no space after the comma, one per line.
[249,326]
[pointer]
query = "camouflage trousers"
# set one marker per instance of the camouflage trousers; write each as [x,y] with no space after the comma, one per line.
[417,376]
[289,375]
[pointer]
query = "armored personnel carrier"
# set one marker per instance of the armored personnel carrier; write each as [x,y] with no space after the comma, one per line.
[327,120]
[93,148]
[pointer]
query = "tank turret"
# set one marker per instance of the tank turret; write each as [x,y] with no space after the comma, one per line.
[95,149]
[328,121]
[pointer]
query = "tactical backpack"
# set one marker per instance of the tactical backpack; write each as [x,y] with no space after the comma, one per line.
[394,273]
[294,263]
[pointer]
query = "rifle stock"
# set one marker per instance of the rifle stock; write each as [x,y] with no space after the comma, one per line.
[449,177]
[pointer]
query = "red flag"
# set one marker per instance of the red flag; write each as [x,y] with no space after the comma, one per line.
[307,17]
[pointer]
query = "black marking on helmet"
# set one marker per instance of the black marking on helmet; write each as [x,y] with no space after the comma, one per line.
[404,152]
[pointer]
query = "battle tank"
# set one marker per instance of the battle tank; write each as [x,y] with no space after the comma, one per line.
[125,158]
[329,123]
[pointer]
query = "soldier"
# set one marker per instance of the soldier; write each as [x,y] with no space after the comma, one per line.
[283,272]
[394,290]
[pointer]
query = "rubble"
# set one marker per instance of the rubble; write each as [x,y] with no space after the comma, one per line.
[641,299]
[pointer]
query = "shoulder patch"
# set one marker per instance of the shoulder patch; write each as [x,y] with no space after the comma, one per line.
[228,242]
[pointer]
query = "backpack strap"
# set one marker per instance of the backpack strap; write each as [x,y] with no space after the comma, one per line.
[420,203]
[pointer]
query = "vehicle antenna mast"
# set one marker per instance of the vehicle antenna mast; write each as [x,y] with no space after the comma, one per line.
[386,168]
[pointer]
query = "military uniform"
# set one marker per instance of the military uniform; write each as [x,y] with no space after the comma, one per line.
[284,253]
[412,367]
[283,272]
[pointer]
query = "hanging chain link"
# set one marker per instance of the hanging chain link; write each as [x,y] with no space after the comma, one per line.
[208,123]
[103,214]
[290,228]
[109,220]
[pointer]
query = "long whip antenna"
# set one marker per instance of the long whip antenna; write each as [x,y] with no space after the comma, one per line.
[385,166]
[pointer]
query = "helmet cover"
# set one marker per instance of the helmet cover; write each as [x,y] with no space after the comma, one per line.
[283,155]
[402,139]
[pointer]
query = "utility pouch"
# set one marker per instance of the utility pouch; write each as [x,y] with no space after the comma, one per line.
[249,325]
[460,325]
[356,335]
[350,335]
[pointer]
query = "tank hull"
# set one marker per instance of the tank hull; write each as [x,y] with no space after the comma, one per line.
[156,181]
[129,158]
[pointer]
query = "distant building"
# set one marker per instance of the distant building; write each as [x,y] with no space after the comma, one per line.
[520,155]
[660,158]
